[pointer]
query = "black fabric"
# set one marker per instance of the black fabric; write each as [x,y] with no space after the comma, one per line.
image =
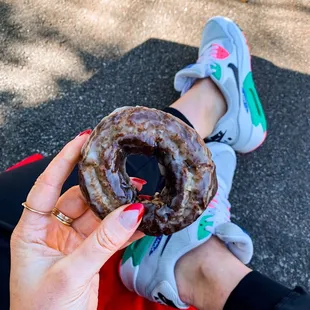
[5,235]
[257,292]
[298,299]
[179,115]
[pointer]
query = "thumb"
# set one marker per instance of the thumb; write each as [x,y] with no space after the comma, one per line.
[114,231]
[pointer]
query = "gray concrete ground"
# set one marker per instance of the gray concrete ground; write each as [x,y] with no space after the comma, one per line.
[66,64]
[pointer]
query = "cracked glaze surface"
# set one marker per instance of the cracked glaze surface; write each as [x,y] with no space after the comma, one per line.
[183,157]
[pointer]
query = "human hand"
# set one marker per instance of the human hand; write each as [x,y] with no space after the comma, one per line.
[54,266]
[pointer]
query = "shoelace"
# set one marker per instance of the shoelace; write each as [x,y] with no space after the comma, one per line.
[213,52]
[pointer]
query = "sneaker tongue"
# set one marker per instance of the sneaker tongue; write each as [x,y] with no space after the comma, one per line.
[237,241]
[185,78]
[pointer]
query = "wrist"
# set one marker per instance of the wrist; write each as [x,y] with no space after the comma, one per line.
[207,275]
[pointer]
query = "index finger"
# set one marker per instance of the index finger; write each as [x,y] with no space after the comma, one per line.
[46,190]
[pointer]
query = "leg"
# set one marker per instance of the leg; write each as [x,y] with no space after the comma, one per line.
[208,284]
[203,105]
[220,101]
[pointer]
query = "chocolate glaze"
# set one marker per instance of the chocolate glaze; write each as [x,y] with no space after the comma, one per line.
[189,171]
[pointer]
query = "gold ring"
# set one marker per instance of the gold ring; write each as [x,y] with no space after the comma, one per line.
[35,211]
[62,217]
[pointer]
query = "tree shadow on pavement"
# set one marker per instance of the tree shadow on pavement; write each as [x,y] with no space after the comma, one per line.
[9,33]
[270,193]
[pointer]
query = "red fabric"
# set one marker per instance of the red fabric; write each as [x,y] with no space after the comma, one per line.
[113,295]
[26,161]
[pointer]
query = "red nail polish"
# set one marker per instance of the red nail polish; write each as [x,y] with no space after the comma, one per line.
[138,180]
[136,207]
[87,131]
[145,197]
[131,216]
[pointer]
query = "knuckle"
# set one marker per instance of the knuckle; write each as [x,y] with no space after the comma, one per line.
[46,180]
[69,153]
[107,239]
[76,190]
[67,158]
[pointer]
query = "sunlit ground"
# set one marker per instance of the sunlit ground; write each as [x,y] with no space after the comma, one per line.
[41,40]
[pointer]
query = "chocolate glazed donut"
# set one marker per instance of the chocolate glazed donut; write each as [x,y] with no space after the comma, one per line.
[182,156]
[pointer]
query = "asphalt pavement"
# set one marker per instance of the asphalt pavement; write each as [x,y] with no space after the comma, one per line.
[65,65]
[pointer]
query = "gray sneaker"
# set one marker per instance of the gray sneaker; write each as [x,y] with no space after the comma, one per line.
[224,57]
[147,266]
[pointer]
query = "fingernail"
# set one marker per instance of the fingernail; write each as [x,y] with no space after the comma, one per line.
[138,180]
[145,197]
[87,131]
[131,215]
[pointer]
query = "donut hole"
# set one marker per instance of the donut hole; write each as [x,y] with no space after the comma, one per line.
[151,172]
[155,163]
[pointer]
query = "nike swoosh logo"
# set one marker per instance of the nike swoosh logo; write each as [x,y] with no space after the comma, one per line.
[236,74]
[218,137]
[166,242]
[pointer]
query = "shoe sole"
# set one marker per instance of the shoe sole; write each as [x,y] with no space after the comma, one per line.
[128,274]
[251,116]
